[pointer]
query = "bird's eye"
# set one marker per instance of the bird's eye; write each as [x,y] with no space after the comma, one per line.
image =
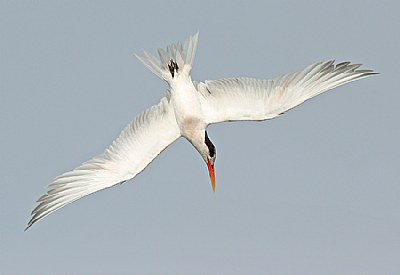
[213,158]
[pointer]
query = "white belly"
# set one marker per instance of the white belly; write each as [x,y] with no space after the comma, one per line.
[188,111]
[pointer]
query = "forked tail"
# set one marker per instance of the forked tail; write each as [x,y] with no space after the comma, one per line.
[177,57]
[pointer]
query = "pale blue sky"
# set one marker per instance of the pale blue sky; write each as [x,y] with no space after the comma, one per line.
[315,191]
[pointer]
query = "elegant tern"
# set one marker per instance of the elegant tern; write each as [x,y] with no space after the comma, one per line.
[186,111]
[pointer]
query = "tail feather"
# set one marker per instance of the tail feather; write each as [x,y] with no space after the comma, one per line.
[180,54]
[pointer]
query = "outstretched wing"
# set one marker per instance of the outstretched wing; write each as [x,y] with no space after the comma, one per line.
[138,144]
[255,99]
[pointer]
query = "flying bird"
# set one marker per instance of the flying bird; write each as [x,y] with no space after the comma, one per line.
[186,110]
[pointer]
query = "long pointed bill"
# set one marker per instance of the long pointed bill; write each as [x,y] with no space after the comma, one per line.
[212,174]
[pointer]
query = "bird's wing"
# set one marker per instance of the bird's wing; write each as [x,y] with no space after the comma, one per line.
[138,144]
[255,99]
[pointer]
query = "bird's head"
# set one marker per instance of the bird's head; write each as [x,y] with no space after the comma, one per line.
[210,159]
[208,153]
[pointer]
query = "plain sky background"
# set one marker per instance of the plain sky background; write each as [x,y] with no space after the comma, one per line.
[316,191]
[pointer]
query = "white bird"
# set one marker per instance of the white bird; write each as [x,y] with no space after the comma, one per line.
[186,111]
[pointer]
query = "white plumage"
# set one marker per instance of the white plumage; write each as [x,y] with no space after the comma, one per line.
[186,111]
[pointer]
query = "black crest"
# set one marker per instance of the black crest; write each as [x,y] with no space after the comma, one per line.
[211,147]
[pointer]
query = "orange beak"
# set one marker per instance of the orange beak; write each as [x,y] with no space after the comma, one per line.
[212,174]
